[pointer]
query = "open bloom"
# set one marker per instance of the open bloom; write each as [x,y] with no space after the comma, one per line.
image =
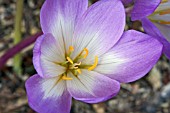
[84,54]
[155,18]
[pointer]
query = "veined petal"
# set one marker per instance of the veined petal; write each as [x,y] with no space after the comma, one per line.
[48,96]
[59,18]
[131,58]
[46,54]
[163,6]
[150,28]
[143,8]
[158,18]
[162,13]
[100,28]
[126,2]
[92,87]
[161,33]
[164,29]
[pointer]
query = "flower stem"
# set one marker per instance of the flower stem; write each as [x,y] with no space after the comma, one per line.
[17,36]
[17,48]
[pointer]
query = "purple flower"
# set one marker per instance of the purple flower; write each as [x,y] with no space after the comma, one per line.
[84,54]
[155,18]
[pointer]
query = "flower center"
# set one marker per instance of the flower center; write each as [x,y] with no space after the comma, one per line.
[162,10]
[75,65]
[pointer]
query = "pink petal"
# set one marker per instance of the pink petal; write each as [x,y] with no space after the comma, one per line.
[131,58]
[59,17]
[45,96]
[99,28]
[45,55]
[92,87]
[160,32]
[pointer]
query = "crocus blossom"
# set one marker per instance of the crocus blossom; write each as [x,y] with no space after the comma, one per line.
[155,18]
[84,54]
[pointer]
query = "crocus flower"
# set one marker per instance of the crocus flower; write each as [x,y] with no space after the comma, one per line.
[84,54]
[155,18]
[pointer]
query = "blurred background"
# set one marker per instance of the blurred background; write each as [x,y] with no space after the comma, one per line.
[150,94]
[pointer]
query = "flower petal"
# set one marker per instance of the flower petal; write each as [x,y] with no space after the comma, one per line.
[45,55]
[131,58]
[160,32]
[100,28]
[164,29]
[92,87]
[60,16]
[45,96]
[143,8]
[163,6]
[126,2]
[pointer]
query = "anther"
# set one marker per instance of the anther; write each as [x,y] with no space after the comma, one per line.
[165,12]
[64,77]
[164,1]
[87,52]
[94,65]
[71,49]
[79,71]
[69,59]
[164,22]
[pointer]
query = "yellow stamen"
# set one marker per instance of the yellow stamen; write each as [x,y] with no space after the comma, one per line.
[87,52]
[164,1]
[71,49]
[79,71]
[167,11]
[64,77]
[164,22]
[94,65]
[69,59]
